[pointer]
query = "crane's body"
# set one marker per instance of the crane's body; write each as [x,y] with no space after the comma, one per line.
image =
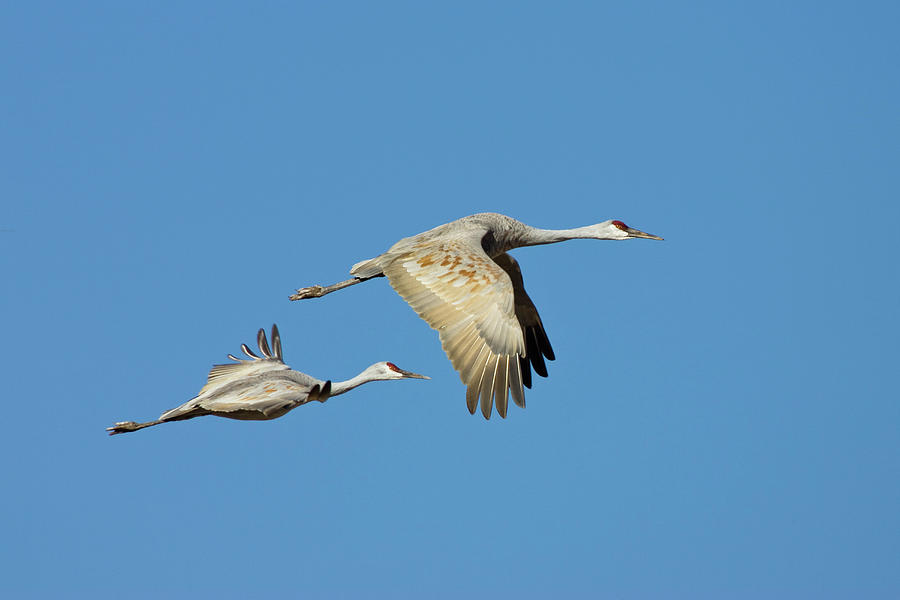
[261,388]
[460,279]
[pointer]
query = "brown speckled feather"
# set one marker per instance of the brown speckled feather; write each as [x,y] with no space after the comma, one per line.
[463,294]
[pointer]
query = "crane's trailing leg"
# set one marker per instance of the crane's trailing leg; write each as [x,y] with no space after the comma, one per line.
[317,291]
[126,426]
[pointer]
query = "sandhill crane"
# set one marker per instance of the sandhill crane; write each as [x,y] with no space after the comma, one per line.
[459,278]
[263,388]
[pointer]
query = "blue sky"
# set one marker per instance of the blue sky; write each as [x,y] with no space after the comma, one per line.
[722,419]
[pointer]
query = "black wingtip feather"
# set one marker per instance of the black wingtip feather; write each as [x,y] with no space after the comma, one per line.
[526,372]
[544,343]
[534,353]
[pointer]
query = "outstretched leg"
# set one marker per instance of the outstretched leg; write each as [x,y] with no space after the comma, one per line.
[126,426]
[317,291]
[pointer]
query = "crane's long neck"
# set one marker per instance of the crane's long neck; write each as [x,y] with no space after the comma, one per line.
[533,236]
[340,387]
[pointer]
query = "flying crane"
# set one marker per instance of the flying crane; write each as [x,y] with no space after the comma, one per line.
[460,279]
[263,388]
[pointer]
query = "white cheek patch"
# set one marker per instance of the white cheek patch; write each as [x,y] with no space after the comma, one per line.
[618,230]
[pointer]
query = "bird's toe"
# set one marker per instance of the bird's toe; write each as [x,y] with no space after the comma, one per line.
[313,291]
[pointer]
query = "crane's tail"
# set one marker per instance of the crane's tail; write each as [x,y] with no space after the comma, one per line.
[367,269]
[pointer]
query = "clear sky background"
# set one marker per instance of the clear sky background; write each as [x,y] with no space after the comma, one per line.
[722,419]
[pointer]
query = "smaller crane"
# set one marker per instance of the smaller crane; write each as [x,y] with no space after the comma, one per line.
[263,388]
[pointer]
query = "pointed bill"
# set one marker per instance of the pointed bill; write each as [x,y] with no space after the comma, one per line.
[637,233]
[412,375]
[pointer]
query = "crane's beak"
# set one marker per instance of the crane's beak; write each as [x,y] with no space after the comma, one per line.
[412,375]
[635,233]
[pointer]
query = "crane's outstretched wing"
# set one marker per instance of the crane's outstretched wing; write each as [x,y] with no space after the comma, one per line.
[537,346]
[463,294]
[260,385]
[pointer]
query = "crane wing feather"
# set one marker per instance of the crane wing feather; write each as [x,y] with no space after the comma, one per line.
[464,295]
[222,375]
[263,343]
[537,345]
[269,397]
[252,396]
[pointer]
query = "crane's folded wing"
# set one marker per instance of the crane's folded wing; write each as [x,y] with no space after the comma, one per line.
[269,397]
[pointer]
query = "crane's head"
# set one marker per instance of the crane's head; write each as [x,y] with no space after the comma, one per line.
[388,370]
[617,230]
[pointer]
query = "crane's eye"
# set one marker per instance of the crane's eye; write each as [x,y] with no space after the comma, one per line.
[393,367]
[620,225]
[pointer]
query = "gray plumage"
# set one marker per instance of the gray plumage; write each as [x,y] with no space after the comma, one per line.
[460,279]
[261,388]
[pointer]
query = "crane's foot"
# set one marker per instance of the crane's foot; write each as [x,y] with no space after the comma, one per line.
[123,427]
[313,291]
